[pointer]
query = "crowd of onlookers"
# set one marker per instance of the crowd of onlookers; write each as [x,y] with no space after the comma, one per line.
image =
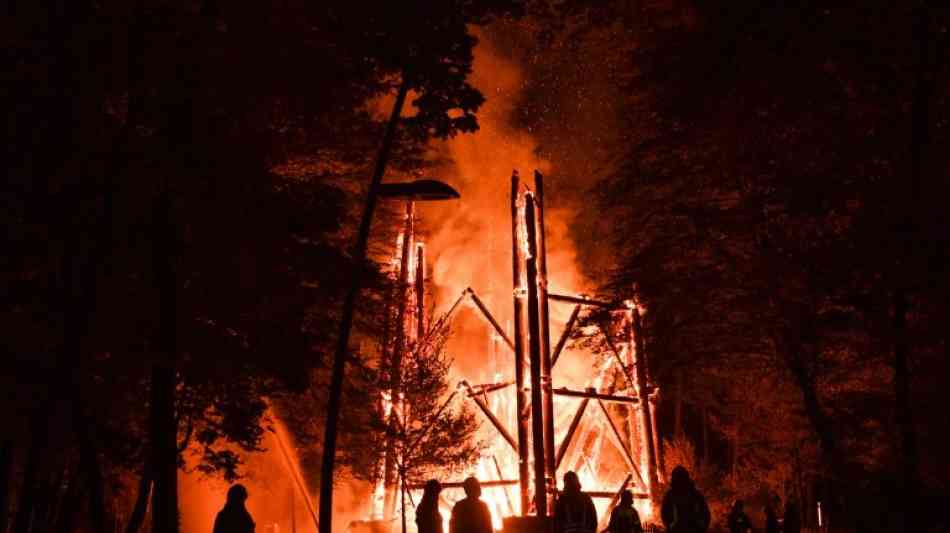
[683,510]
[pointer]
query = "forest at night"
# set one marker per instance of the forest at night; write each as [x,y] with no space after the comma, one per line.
[466,266]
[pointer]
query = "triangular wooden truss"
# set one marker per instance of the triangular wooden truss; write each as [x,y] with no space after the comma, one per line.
[478,394]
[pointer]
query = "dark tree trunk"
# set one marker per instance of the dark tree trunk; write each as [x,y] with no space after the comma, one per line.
[79,290]
[817,417]
[66,521]
[678,407]
[141,502]
[82,426]
[902,386]
[735,453]
[919,138]
[39,442]
[164,449]
[90,468]
[6,469]
[44,507]
[163,427]
[705,424]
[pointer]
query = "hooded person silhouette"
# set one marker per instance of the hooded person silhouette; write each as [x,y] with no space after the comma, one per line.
[574,511]
[234,518]
[471,515]
[428,517]
[624,518]
[684,508]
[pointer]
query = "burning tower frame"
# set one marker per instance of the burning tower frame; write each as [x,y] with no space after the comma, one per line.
[534,360]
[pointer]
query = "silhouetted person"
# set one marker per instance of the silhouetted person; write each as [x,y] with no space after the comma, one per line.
[234,518]
[738,520]
[684,508]
[428,517]
[574,511]
[471,515]
[792,523]
[625,518]
[771,520]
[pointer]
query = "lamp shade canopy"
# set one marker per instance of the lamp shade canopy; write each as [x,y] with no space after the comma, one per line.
[418,190]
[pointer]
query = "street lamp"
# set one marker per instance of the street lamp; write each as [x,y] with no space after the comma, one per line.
[418,191]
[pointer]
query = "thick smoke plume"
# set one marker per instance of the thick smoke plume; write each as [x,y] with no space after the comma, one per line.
[469,241]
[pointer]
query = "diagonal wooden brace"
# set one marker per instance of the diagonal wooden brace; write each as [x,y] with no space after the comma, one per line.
[489,317]
[565,335]
[618,442]
[491,417]
[575,422]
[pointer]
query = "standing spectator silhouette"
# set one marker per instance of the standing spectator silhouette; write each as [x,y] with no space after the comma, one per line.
[574,511]
[428,517]
[771,519]
[684,508]
[738,520]
[471,515]
[624,518]
[234,518]
[792,522]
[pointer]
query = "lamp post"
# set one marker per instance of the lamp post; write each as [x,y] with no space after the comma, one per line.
[419,190]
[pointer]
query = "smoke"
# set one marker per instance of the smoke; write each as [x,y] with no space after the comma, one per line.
[468,242]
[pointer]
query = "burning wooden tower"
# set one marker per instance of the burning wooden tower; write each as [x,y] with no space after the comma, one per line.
[594,423]
[534,361]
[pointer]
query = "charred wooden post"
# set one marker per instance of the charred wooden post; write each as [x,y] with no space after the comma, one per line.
[536,361]
[645,418]
[399,348]
[657,449]
[545,341]
[518,323]
[420,291]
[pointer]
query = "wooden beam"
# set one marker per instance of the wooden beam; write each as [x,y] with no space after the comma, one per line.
[484,388]
[492,418]
[460,484]
[608,494]
[490,318]
[581,300]
[618,441]
[565,335]
[596,396]
[562,449]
